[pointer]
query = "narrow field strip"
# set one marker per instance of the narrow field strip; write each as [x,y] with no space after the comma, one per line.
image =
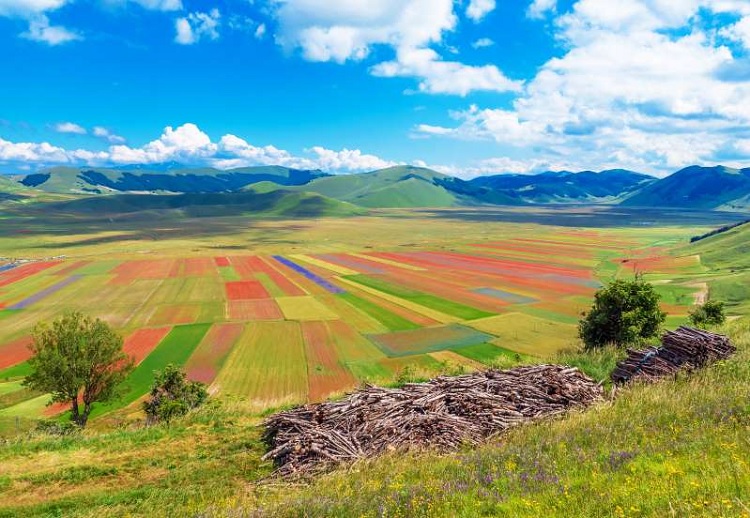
[267,366]
[140,343]
[403,312]
[174,349]
[308,274]
[358,266]
[222,261]
[438,316]
[390,320]
[486,353]
[335,268]
[326,374]
[30,408]
[507,296]
[22,272]
[67,270]
[350,345]
[449,307]
[206,362]
[289,287]
[228,273]
[390,262]
[45,293]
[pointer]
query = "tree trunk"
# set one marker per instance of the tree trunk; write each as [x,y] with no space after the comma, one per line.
[75,414]
[85,415]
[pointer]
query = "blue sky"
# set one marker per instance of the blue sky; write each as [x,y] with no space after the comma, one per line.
[468,87]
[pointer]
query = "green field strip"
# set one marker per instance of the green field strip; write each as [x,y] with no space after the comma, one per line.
[675,321]
[211,312]
[390,320]
[228,273]
[207,289]
[270,286]
[176,348]
[528,334]
[17,371]
[16,397]
[676,295]
[6,313]
[448,307]
[546,314]
[98,268]
[268,365]
[10,386]
[30,408]
[487,353]
[369,371]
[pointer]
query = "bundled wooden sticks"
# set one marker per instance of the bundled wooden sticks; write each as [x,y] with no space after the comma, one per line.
[685,348]
[443,413]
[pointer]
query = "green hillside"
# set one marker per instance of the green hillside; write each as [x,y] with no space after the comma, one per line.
[176,179]
[144,206]
[402,186]
[727,255]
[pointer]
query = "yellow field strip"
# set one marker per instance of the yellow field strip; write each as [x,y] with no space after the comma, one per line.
[417,308]
[390,263]
[341,270]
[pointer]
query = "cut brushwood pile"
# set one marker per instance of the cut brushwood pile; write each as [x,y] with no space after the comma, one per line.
[443,413]
[683,349]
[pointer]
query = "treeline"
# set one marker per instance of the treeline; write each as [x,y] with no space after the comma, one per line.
[717,231]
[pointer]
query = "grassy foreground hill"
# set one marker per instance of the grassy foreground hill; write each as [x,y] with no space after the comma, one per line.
[677,448]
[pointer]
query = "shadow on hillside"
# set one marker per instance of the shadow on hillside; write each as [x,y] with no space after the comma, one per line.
[588,216]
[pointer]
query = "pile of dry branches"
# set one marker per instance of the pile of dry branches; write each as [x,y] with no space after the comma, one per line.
[686,348]
[443,413]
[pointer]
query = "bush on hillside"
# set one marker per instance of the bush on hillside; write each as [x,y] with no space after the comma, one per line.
[708,315]
[173,395]
[624,313]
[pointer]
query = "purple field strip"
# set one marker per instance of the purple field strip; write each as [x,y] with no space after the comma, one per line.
[45,293]
[588,283]
[507,296]
[350,263]
[310,275]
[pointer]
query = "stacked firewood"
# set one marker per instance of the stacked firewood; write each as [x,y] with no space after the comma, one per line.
[686,348]
[443,414]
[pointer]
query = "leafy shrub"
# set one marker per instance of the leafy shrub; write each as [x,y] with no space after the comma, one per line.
[623,313]
[172,395]
[708,315]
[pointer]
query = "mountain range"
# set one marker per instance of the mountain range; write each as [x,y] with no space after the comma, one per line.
[402,186]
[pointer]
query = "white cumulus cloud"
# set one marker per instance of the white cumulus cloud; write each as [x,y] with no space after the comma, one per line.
[540,8]
[70,127]
[346,30]
[640,86]
[103,133]
[196,26]
[478,9]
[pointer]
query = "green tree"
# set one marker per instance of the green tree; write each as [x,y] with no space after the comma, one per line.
[709,314]
[79,361]
[172,395]
[623,313]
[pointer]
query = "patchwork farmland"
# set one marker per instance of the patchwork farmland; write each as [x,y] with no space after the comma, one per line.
[267,330]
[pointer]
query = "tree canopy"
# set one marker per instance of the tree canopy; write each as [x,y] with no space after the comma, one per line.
[78,360]
[709,314]
[624,312]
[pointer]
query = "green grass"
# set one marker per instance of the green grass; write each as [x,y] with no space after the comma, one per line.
[487,353]
[17,371]
[448,307]
[389,319]
[228,273]
[175,349]
[369,371]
